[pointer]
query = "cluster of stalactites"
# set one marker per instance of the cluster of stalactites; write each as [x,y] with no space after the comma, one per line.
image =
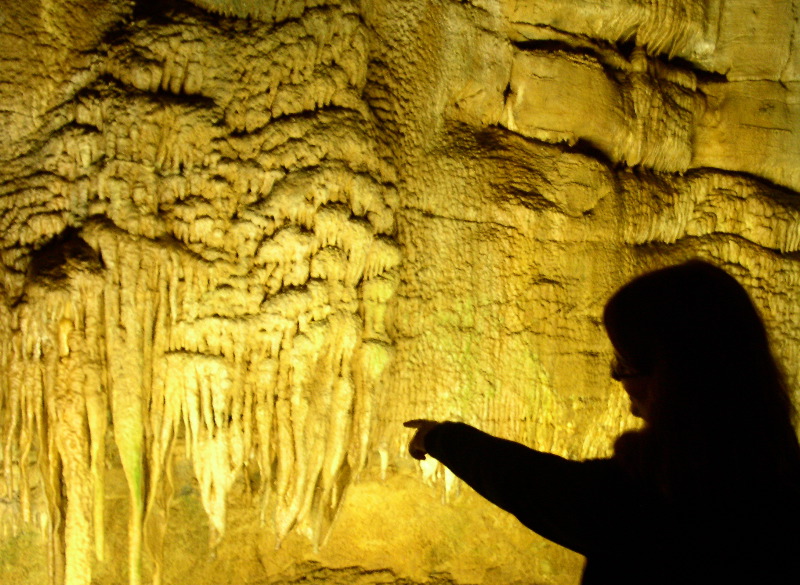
[212,268]
[287,392]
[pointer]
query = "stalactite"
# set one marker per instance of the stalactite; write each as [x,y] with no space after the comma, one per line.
[57,354]
[226,306]
[159,380]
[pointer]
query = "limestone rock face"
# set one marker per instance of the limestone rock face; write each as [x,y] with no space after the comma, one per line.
[243,240]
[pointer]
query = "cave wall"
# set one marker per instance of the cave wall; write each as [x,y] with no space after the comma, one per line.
[243,240]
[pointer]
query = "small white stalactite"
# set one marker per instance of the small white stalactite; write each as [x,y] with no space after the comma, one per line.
[450,485]
[383,455]
[429,467]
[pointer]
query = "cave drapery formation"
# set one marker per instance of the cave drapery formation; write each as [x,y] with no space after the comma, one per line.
[254,236]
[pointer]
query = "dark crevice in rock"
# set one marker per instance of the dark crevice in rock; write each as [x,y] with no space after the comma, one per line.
[587,148]
[601,51]
[109,87]
[67,251]
[555,46]
[702,75]
[161,11]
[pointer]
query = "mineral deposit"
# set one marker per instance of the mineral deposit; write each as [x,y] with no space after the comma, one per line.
[243,240]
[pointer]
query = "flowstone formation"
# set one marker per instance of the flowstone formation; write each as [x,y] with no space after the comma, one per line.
[200,248]
[243,240]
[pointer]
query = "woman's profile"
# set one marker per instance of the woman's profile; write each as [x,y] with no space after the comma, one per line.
[708,491]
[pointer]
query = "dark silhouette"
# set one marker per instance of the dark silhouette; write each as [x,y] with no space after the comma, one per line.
[708,491]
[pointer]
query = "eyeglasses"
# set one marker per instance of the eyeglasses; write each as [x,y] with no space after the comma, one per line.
[619,371]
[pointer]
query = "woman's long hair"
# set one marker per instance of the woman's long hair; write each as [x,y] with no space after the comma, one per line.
[721,415]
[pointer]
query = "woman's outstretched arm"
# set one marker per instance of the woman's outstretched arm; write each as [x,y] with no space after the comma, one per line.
[569,502]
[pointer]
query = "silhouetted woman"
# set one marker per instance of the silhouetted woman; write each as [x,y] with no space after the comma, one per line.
[708,492]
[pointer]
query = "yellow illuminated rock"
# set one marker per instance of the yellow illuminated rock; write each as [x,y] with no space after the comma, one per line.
[243,240]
